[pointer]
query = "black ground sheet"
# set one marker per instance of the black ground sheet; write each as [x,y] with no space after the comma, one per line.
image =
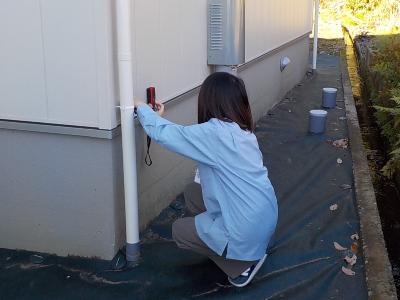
[313,181]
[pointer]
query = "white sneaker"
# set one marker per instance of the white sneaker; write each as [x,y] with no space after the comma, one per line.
[247,276]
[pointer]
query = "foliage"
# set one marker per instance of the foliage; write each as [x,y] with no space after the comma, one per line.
[381,19]
[385,90]
[372,16]
[393,164]
[358,7]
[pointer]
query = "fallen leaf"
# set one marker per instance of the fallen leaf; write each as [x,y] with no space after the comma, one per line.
[346,186]
[338,246]
[333,207]
[354,247]
[351,260]
[348,271]
[341,143]
[339,161]
[355,237]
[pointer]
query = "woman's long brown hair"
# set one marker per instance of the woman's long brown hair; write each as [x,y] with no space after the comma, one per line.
[223,96]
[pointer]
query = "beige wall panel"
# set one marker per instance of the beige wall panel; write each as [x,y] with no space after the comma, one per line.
[22,73]
[272,23]
[170,42]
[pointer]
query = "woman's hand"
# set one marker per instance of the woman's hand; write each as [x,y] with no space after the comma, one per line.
[160,108]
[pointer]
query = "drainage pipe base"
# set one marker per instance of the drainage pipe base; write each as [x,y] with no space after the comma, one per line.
[132,252]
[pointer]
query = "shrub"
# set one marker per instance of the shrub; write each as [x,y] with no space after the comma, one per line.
[378,17]
[385,92]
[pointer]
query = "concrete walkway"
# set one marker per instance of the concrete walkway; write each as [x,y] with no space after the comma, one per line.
[314,184]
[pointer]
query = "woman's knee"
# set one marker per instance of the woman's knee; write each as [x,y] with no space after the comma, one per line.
[175,229]
[181,231]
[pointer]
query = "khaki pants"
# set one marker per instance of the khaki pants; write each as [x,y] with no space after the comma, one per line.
[185,235]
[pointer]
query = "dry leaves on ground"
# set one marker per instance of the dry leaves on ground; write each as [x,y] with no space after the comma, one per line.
[341,143]
[351,260]
[339,247]
[354,247]
[354,237]
[348,271]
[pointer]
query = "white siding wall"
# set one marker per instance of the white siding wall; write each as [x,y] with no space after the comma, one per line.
[272,23]
[170,38]
[56,62]
[57,57]
[22,73]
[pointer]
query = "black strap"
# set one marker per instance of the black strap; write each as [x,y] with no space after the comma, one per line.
[147,159]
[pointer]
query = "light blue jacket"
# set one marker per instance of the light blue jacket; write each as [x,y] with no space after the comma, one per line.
[242,209]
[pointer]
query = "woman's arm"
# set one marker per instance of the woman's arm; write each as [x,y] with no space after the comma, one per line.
[195,141]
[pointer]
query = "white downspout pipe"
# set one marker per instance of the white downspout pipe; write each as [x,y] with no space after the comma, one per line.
[316,23]
[123,9]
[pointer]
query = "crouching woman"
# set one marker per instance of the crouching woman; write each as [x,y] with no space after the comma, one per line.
[234,209]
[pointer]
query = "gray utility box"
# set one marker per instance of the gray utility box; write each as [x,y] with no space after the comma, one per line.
[226,44]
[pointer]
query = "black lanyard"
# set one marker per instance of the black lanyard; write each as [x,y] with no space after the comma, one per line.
[147,159]
[151,98]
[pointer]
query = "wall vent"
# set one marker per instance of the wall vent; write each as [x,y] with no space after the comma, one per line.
[226,32]
[215,25]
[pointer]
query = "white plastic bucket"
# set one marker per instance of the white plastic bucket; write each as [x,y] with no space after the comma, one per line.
[329,97]
[317,121]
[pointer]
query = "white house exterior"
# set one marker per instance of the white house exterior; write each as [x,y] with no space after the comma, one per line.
[60,146]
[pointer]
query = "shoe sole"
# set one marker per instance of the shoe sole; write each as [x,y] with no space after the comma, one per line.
[257,267]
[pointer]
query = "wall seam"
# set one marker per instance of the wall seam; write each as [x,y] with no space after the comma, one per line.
[44,57]
[100,100]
